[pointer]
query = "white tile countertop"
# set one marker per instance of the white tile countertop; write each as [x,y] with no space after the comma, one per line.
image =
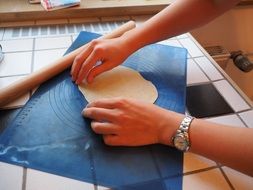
[29,48]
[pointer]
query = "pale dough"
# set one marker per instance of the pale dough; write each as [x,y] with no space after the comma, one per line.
[120,82]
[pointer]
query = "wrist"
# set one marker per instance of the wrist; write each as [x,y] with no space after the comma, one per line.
[132,41]
[181,139]
[169,127]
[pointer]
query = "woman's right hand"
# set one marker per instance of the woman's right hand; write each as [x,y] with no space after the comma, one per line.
[109,53]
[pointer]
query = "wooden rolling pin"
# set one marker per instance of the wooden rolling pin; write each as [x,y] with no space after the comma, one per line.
[36,78]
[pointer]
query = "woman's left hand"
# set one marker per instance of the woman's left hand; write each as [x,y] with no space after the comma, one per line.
[131,123]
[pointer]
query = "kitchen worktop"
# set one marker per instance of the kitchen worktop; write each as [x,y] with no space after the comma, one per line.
[30,48]
[21,10]
[17,10]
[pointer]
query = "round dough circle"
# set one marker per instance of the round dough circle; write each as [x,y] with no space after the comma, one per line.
[120,82]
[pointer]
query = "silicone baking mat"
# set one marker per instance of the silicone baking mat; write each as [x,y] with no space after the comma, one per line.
[49,133]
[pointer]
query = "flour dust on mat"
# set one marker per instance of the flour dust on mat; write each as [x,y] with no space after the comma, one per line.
[120,82]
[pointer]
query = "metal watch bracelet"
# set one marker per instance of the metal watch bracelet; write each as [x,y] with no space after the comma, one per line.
[181,139]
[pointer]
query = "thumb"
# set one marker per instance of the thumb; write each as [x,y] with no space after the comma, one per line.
[95,71]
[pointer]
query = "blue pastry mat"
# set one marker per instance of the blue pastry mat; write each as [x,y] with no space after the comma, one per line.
[50,134]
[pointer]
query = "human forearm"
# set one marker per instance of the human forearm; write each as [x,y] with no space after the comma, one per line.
[128,126]
[230,146]
[180,17]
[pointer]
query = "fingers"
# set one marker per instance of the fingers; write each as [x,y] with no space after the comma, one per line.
[77,64]
[99,114]
[104,103]
[95,71]
[84,65]
[104,128]
[87,66]
[113,140]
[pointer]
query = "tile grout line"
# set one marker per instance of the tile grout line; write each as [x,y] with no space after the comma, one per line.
[95,187]
[21,51]
[200,170]
[226,177]
[17,75]
[193,59]
[3,34]
[198,65]
[199,83]
[190,56]
[222,71]
[32,65]
[55,48]
[211,117]
[228,102]
[24,178]
[33,55]
[237,92]
[245,124]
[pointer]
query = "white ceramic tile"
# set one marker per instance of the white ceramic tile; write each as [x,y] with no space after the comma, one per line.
[80,27]
[45,57]
[208,180]
[208,68]
[194,73]
[182,36]
[171,42]
[194,162]
[4,82]
[96,27]
[1,33]
[11,177]
[16,64]
[7,33]
[173,38]
[37,180]
[232,97]
[231,120]
[192,48]
[74,37]
[52,43]
[88,27]
[238,180]
[247,117]
[17,45]
[102,188]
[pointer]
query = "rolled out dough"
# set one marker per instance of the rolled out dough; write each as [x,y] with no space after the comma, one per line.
[120,82]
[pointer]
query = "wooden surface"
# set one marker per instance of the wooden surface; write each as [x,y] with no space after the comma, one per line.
[20,10]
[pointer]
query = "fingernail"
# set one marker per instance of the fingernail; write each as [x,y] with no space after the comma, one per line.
[83,111]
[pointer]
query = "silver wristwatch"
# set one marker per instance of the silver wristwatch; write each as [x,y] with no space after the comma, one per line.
[181,139]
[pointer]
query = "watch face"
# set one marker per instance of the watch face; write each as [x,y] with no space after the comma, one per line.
[181,143]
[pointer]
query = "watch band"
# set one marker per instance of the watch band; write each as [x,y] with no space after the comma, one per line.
[181,139]
[185,124]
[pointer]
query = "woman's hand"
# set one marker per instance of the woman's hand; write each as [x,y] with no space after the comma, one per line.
[101,55]
[132,123]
